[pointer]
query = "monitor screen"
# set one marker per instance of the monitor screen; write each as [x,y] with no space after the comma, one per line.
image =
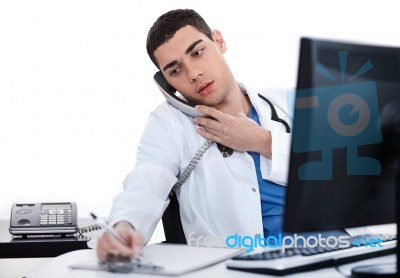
[344,158]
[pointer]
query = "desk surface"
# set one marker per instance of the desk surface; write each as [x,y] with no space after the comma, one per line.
[17,268]
[61,270]
[15,261]
[43,246]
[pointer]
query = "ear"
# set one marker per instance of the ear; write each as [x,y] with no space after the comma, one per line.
[219,40]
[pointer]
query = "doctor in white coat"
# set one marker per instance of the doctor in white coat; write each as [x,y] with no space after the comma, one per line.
[221,197]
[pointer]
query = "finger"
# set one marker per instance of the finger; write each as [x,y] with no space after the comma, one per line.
[121,248]
[241,115]
[102,248]
[138,246]
[208,135]
[215,132]
[211,111]
[208,123]
[109,244]
[100,252]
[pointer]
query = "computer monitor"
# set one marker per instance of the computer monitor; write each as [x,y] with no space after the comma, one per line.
[344,163]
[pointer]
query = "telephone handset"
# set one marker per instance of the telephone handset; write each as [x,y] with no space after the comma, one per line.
[170,94]
[43,218]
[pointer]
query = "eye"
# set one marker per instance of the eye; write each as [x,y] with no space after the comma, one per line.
[175,71]
[198,52]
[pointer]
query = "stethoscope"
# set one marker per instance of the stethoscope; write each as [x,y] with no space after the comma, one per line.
[226,151]
[274,115]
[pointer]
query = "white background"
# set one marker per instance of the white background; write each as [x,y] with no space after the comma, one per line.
[76,83]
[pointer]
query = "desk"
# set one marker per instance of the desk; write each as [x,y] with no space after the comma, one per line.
[218,270]
[21,265]
[19,256]
[18,247]
[17,268]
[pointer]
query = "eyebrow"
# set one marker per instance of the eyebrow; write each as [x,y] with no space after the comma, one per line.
[187,51]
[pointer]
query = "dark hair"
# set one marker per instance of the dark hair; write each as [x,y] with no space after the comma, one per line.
[168,24]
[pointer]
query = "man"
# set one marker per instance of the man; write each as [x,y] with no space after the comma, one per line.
[239,194]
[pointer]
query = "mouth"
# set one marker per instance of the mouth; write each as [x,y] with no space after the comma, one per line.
[205,88]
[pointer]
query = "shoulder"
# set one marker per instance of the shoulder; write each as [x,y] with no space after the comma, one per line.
[276,95]
[166,117]
[273,93]
[165,110]
[278,92]
[282,99]
[167,113]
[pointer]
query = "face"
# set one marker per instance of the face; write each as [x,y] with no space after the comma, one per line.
[195,66]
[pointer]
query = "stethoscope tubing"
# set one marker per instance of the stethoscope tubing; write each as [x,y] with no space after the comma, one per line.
[274,114]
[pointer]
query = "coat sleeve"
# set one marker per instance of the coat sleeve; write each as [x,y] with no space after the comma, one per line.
[276,169]
[146,188]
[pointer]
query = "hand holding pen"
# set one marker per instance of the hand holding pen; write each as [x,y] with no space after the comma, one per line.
[122,240]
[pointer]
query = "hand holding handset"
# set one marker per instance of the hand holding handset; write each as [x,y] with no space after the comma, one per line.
[170,94]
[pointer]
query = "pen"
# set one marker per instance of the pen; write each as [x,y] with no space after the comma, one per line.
[111,231]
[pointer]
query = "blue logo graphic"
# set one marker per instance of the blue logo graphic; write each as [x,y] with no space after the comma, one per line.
[341,116]
[367,242]
[253,242]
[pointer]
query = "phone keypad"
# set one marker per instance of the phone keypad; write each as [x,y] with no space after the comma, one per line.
[55,217]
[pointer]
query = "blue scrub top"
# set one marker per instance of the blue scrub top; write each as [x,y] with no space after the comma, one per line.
[272,195]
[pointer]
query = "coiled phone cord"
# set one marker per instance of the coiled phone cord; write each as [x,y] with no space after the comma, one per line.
[192,164]
[181,180]
[89,229]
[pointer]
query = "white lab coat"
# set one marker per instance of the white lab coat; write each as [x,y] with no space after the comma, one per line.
[221,196]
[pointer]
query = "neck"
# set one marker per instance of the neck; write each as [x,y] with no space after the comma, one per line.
[236,102]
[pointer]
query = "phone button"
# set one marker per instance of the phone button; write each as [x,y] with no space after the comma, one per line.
[24,211]
[24,222]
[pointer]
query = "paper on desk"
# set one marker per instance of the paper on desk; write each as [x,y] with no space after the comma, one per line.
[175,259]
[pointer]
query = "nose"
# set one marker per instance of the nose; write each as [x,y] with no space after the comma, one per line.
[193,72]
